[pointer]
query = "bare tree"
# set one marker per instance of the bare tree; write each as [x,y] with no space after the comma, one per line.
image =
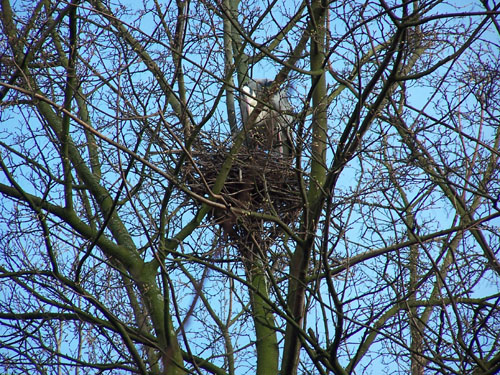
[152,223]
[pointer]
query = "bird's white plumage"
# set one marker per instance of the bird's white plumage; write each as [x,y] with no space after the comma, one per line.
[250,98]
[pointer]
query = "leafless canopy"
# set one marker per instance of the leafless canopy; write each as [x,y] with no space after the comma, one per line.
[144,229]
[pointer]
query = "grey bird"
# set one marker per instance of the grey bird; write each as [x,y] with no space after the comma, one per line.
[273,128]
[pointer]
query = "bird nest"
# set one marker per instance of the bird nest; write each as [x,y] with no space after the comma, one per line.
[259,181]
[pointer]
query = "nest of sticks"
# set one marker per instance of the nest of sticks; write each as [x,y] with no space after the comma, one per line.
[258,181]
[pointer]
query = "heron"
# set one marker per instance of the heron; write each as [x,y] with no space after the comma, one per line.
[273,126]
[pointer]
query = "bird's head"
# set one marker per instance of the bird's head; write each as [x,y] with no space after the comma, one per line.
[255,90]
